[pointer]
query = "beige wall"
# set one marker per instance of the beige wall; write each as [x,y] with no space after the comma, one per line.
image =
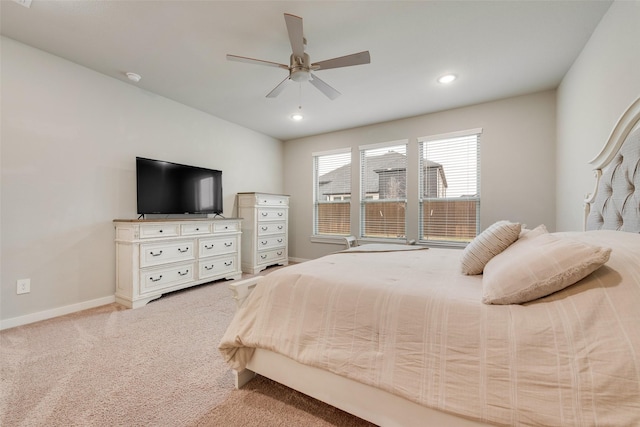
[69,141]
[517,163]
[602,83]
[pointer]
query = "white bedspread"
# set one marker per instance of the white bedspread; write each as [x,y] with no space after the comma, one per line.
[410,323]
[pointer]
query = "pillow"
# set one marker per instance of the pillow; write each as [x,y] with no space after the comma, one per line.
[529,234]
[488,244]
[534,268]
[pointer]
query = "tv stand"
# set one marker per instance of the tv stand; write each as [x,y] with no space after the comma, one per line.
[154,256]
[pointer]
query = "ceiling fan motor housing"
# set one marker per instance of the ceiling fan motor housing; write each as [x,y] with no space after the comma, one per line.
[299,69]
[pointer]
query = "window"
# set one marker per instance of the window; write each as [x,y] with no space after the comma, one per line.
[383,190]
[332,193]
[449,186]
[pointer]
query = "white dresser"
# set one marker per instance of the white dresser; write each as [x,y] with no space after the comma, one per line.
[154,257]
[265,226]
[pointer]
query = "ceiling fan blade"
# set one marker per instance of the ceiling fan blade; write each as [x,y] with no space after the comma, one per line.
[330,92]
[296,36]
[276,91]
[343,61]
[256,61]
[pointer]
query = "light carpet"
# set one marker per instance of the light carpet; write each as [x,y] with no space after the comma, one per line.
[153,366]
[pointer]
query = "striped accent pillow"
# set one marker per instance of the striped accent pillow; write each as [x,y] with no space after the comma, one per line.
[488,244]
[538,267]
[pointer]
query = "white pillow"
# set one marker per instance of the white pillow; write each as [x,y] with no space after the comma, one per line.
[488,244]
[529,234]
[534,268]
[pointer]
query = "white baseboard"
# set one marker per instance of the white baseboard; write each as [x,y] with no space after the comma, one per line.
[54,312]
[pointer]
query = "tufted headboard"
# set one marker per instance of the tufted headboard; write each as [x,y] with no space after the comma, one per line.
[615,202]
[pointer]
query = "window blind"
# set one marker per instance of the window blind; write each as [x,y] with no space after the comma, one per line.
[332,193]
[383,190]
[449,174]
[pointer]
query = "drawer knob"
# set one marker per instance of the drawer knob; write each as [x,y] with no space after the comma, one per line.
[228,244]
[264,243]
[208,267]
[160,231]
[183,250]
[208,246]
[156,280]
[280,227]
[183,274]
[264,228]
[156,254]
[228,263]
[264,214]
[263,256]
[280,214]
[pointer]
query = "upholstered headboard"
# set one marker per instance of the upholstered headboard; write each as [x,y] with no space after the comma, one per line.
[615,202]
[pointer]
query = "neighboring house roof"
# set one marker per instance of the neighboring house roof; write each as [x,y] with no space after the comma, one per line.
[391,161]
[338,181]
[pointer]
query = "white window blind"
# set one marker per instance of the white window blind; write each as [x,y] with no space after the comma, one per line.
[449,174]
[332,193]
[383,190]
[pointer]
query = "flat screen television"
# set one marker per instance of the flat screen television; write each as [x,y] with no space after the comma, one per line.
[172,188]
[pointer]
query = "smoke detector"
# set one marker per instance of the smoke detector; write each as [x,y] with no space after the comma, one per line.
[133,77]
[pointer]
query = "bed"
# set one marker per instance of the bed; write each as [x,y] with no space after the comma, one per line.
[547,334]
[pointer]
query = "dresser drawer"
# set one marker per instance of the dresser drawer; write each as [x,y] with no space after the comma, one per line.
[270,228]
[271,242]
[217,266]
[225,227]
[272,200]
[154,280]
[166,252]
[217,246]
[152,231]
[271,214]
[194,229]
[272,256]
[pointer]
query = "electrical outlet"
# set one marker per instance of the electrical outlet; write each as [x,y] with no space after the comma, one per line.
[23,286]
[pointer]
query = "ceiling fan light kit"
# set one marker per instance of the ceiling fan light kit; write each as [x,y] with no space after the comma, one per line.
[300,66]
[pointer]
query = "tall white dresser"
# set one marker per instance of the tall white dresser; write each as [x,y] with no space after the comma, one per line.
[265,225]
[154,257]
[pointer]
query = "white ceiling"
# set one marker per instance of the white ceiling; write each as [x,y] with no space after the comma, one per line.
[497,48]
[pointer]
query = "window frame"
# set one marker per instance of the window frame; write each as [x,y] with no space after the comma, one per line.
[316,203]
[476,198]
[364,199]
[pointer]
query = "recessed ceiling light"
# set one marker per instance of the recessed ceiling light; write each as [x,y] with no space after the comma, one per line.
[133,77]
[297,117]
[447,78]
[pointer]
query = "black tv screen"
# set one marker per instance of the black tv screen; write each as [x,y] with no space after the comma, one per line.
[172,188]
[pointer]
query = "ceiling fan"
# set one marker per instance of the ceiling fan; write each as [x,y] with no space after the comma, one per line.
[300,67]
